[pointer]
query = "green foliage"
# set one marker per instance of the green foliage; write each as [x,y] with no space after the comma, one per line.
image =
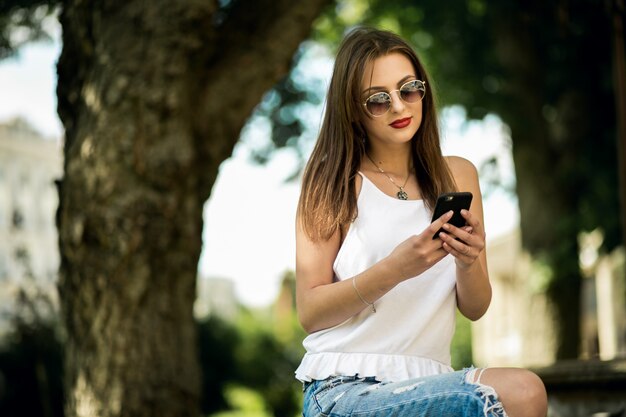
[248,366]
[267,365]
[285,109]
[217,341]
[244,402]
[22,21]
[31,361]
[461,347]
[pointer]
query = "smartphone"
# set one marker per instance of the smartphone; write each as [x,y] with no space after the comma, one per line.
[452,201]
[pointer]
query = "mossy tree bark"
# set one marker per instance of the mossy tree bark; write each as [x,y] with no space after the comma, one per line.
[152,96]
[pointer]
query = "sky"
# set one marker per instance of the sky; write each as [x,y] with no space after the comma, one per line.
[249,218]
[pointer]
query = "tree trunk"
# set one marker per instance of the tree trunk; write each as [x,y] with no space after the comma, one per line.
[618,16]
[546,212]
[546,151]
[152,96]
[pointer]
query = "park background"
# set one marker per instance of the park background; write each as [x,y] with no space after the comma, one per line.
[519,63]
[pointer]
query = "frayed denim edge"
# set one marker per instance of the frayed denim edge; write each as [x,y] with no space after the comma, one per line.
[492,405]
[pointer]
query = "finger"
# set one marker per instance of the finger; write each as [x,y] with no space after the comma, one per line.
[466,237]
[471,220]
[438,224]
[451,246]
[466,256]
[468,229]
[458,255]
[439,252]
[461,248]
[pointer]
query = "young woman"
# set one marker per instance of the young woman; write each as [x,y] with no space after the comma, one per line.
[376,293]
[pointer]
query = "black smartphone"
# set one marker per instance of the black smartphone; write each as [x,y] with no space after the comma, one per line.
[452,201]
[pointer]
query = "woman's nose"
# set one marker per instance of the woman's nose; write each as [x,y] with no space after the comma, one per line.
[397,104]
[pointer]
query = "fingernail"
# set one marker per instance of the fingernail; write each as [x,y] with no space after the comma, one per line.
[446,226]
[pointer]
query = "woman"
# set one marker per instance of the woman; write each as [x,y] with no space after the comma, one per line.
[376,293]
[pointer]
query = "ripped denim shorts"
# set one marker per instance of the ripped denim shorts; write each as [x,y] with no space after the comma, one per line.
[451,394]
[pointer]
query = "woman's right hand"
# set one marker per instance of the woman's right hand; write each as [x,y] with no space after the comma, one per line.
[419,252]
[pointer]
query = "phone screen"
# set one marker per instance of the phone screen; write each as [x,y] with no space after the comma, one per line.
[456,202]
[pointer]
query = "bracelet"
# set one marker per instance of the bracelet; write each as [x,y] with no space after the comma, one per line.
[361,297]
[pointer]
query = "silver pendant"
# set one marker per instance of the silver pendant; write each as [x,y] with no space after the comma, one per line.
[402,195]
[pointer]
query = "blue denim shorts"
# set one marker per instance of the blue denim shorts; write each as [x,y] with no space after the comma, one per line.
[449,394]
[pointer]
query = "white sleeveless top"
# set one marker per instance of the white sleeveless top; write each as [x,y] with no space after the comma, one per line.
[409,335]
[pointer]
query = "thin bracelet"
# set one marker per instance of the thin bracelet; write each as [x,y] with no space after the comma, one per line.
[361,297]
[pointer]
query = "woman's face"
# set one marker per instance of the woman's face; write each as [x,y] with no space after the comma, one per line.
[400,123]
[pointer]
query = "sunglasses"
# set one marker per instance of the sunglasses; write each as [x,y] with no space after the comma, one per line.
[410,92]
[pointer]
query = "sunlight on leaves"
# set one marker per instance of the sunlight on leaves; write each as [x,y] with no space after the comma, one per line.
[244,402]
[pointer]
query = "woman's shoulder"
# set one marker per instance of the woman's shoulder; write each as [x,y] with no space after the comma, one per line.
[462,170]
[460,165]
[358,183]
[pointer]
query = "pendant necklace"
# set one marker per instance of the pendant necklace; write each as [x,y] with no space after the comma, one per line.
[402,195]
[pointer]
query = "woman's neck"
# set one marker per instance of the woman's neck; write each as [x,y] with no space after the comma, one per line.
[396,161]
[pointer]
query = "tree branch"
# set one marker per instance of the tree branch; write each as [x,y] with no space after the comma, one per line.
[246,64]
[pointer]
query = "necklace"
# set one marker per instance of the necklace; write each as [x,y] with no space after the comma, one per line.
[402,195]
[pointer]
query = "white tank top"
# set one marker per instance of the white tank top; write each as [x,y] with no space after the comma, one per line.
[409,335]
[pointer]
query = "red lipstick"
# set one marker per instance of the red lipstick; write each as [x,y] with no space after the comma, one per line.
[400,123]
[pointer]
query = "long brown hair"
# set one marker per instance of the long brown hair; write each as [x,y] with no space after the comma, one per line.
[328,198]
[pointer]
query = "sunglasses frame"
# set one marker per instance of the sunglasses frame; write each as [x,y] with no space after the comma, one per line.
[390,98]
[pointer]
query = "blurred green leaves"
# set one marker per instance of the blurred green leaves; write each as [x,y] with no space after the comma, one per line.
[461,347]
[31,359]
[23,21]
[248,365]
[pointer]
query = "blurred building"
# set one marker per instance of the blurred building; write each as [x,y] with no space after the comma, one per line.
[518,330]
[29,165]
[604,299]
[286,324]
[285,304]
[216,296]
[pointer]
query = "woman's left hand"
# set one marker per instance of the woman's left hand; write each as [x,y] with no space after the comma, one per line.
[472,240]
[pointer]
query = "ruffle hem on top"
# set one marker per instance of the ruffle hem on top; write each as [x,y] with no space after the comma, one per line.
[383,367]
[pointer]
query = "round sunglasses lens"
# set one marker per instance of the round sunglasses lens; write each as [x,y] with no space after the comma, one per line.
[413,91]
[378,104]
